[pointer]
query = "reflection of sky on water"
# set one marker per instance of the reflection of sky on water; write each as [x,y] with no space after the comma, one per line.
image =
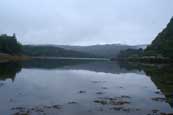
[39,86]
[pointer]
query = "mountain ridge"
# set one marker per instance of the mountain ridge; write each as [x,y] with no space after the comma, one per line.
[104,50]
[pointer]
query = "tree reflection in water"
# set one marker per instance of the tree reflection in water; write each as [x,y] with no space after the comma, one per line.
[161,75]
[9,70]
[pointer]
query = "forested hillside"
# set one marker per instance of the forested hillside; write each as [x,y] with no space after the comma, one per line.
[160,50]
[106,51]
[162,45]
[52,51]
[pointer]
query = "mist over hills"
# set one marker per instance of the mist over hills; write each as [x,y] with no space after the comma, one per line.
[106,50]
[10,45]
[93,51]
[52,51]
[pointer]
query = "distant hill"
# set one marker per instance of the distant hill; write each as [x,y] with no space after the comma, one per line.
[106,51]
[10,45]
[162,45]
[140,46]
[52,51]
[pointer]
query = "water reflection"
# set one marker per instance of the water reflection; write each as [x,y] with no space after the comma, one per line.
[9,70]
[40,80]
[161,75]
[90,65]
[52,63]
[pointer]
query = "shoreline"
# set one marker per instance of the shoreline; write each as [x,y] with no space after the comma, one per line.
[145,60]
[13,58]
[69,58]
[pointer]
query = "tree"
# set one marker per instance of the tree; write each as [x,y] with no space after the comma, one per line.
[9,44]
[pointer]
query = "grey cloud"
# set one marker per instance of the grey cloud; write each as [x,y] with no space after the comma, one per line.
[84,22]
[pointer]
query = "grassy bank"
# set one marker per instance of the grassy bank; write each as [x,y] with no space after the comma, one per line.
[7,57]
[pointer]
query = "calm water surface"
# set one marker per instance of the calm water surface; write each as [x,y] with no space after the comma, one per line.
[82,87]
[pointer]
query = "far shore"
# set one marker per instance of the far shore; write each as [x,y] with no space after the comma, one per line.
[14,58]
[146,59]
[69,58]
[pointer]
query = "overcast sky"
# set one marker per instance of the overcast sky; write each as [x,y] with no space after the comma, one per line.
[84,22]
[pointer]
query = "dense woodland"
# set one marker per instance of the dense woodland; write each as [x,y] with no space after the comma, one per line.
[130,53]
[9,45]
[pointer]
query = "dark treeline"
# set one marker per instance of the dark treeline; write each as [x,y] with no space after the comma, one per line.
[10,45]
[130,53]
